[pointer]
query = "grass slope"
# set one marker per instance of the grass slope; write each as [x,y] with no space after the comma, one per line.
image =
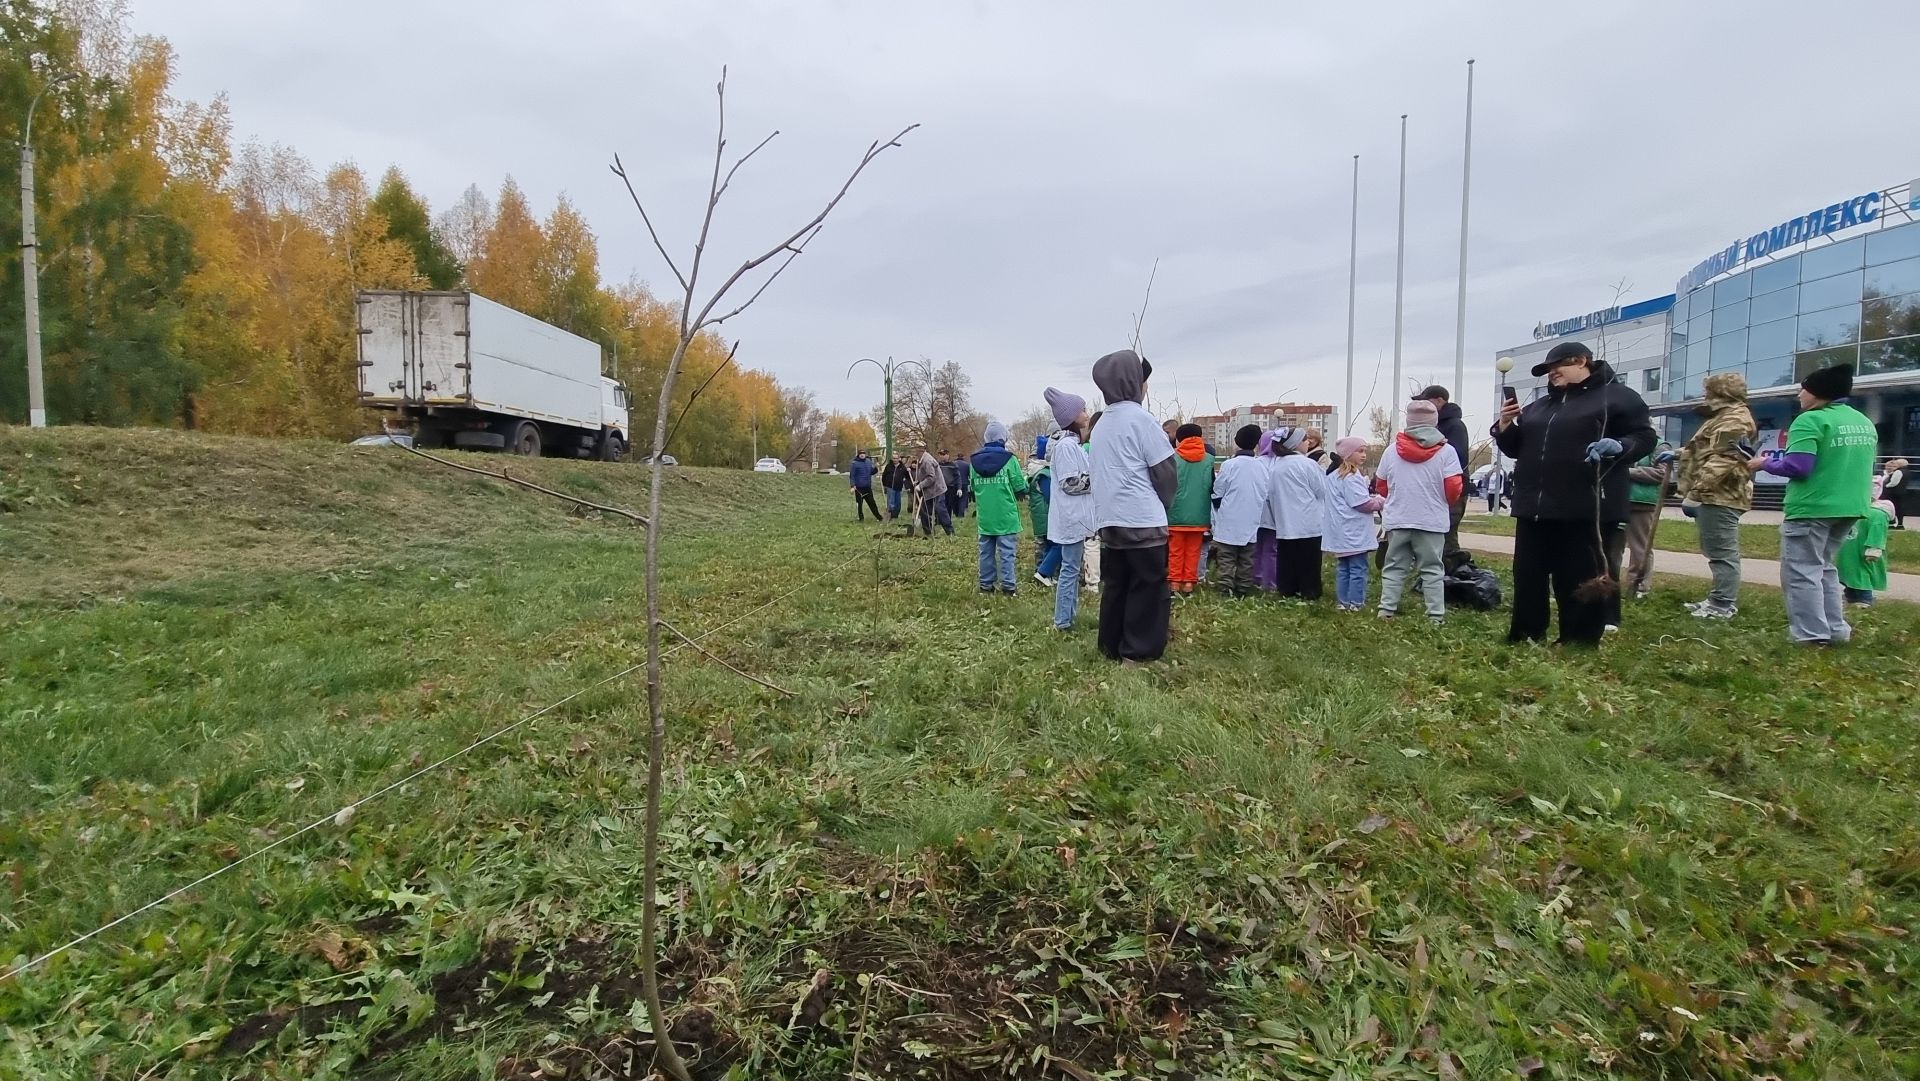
[1308,846]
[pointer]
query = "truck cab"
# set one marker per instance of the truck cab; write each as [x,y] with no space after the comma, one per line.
[615,421]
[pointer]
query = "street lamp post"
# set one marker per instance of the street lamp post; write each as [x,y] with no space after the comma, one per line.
[30,265]
[886,374]
[1503,365]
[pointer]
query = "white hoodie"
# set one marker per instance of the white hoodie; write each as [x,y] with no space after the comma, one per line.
[1299,497]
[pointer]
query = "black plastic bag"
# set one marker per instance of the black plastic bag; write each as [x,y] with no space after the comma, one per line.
[1470,586]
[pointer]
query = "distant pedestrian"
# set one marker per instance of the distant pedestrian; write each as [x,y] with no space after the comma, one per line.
[1828,464]
[1070,516]
[1350,536]
[860,479]
[954,471]
[1239,500]
[1570,448]
[929,480]
[1493,486]
[998,484]
[1420,477]
[1192,509]
[1299,498]
[1453,426]
[895,479]
[1314,445]
[1897,487]
[1133,484]
[1716,487]
[1649,486]
[1862,561]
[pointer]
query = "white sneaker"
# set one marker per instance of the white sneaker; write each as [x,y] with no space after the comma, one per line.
[1611,628]
[1042,579]
[1713,611]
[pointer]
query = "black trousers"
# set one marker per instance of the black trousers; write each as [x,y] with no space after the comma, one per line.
[1135,606]
[1557,556]
[1615,535]
[1299,568]
[863,502]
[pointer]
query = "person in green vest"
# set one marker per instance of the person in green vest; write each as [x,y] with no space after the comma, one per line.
[1828,464]
[998,486]
[1649,477]
[1191,513]
[1863,559]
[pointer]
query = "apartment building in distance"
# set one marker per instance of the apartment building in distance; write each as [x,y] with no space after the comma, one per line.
[1219,427]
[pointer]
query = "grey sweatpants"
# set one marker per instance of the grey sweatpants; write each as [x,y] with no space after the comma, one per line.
[1409,550]
[1720,543]
[1816,611]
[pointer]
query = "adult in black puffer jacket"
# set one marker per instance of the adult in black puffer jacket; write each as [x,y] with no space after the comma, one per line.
[1571,451]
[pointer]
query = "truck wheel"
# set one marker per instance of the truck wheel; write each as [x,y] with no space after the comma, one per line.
[525,440]
[612,447]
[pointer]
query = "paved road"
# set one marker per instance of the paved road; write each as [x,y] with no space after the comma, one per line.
[1758,572]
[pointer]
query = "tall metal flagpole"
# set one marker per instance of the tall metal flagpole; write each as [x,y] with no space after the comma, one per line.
[1353,268]
[1466,186]
[1399,287]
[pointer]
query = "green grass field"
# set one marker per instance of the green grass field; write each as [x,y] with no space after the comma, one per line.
[1306,846]
[1756,541]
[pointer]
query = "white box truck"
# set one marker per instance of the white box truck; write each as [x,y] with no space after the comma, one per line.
[467,372]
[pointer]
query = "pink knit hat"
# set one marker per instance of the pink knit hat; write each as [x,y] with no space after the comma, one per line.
[1348,445]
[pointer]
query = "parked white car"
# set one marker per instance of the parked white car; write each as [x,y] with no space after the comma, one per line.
[769,465]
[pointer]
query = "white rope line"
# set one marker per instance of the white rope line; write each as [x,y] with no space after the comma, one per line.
[345,814]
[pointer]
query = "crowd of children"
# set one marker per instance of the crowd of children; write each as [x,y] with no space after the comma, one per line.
[1113,491]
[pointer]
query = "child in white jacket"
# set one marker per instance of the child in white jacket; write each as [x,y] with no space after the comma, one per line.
[1349,538]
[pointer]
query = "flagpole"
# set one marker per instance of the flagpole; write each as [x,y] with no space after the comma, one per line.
[1466,186]
[1353,270]
[1399,287]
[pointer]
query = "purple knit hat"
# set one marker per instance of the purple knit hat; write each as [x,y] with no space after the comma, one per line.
[1066,407]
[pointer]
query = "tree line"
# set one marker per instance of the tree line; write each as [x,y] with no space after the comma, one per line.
[193,282]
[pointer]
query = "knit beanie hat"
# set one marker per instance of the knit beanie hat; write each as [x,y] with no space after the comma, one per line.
[996,432]
[1066,407]
[1422,414]
[1247,437]
[1348,445]
[1289,438]
[1830,384]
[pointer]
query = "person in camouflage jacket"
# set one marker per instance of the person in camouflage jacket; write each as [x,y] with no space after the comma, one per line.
[1717,486]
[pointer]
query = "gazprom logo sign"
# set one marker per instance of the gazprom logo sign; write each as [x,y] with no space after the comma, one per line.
[1832,218]
[1576,324]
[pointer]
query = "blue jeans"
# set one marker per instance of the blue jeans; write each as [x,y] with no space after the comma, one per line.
[1350,579]
[1206,547]
[893,502]
[996,554]
[1066,586]
[1049,559]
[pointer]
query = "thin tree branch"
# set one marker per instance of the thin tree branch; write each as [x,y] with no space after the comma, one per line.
[874,150]
[695,396]
[793,253]
[742,161]
[1140,317]
[620,170]
[713,201]
[502,475]
[678,633]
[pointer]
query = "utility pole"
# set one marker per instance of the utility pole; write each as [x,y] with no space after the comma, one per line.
[1399,286]
[1353,271]
[886,376]
[1466,186]
[30,265]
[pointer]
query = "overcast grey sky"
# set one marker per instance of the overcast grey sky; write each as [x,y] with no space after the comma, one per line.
[1065,146]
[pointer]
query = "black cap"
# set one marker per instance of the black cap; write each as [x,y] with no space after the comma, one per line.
[1562,353]
[1247,437]
[1433,392]
[1830,384]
